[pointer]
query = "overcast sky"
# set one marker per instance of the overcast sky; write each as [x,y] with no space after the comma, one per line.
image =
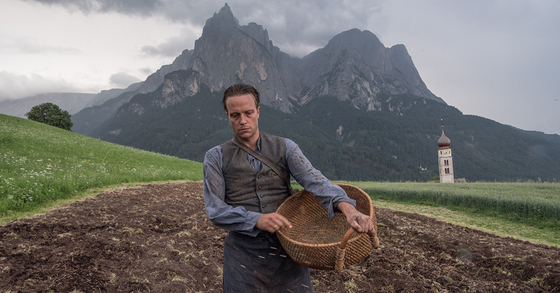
[495,59]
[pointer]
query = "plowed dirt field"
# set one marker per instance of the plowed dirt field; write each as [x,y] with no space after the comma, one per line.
[157,238]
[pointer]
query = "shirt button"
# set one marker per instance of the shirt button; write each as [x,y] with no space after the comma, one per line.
[259,177]
[261,196]
[263,207]
[260,187]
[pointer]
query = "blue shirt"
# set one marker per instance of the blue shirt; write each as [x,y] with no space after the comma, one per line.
[238,218]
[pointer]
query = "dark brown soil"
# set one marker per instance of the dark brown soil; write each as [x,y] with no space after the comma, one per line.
[156,238]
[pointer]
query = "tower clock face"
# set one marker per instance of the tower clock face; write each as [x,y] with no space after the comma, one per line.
[445,153]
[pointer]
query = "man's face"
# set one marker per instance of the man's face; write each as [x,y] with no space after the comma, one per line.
[243,115]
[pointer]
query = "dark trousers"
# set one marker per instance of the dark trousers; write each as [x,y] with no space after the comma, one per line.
[260,264]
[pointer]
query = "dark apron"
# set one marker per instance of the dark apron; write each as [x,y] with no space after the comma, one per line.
[260,264]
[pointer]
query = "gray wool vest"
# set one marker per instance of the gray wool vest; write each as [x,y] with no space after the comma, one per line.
[261,192]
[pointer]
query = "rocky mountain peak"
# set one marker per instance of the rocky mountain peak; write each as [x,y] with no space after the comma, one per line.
[222,18]
[227,53]
[402,61]
[258,33]
[356,39]
[353,66]
[356,66]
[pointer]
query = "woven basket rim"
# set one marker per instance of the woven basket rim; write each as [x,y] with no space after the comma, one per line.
[352,239]
[337,244]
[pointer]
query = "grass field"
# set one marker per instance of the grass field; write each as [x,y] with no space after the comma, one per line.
[538,202]
[528,211]
[40,164]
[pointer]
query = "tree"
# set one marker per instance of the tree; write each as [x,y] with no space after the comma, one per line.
[50,114]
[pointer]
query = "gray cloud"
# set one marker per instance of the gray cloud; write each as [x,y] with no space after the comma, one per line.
[15,86]
[32,46]
[146,70]
[297,27]
[171,48]
[129,7]
[122,80]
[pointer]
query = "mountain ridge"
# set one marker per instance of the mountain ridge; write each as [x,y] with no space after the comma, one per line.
[358,110]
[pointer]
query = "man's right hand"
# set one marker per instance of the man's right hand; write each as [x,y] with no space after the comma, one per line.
[272,222]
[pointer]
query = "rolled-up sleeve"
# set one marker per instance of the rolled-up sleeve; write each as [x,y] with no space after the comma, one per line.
[328,194]
[219,212]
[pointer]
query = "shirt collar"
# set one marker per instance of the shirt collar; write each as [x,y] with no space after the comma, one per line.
[258,145]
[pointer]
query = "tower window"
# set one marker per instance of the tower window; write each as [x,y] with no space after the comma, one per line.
[446,170]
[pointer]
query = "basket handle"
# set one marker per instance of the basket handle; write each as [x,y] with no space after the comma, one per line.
[341,252]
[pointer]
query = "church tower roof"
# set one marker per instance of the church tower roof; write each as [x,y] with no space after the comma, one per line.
[443,140]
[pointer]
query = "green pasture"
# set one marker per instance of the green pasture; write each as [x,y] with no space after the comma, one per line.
[527,210]
[534,201]
[40,164]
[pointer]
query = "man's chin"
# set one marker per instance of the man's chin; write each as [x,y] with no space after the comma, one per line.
[245,135]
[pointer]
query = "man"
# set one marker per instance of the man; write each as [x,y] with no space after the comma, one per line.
[242,194]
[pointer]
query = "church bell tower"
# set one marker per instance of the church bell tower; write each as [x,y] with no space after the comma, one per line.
[445,159]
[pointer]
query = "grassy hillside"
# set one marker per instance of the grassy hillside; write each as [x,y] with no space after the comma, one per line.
[40,164]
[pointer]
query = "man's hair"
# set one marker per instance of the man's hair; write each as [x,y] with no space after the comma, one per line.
[239,90]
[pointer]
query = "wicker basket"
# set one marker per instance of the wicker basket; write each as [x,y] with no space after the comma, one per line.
[319,242]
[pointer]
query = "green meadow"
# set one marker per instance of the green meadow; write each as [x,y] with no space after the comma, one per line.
[531,202]
[43,166]
[529,211]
